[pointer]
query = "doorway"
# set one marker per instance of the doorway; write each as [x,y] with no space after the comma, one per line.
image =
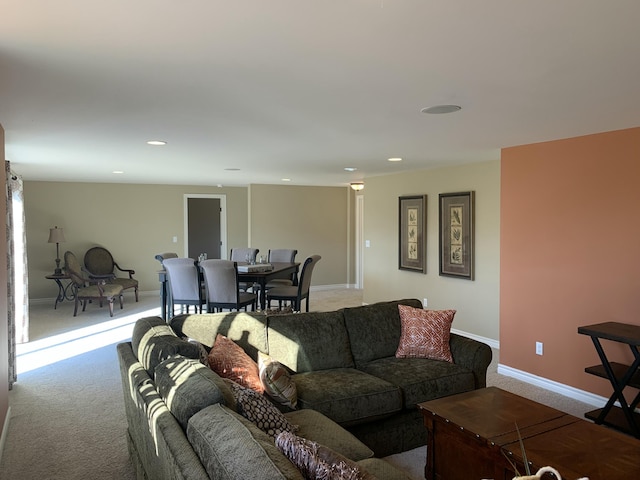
[205,228]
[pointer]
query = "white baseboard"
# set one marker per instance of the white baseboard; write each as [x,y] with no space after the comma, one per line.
[5,431]
[562,389]
[51,301]
[341,286]
[156,293]
[489,341]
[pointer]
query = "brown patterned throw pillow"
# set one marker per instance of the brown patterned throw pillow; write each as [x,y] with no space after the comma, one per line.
[204,354]
[425,333]
[317,462]
[277,381]
[259,410]
[230,361]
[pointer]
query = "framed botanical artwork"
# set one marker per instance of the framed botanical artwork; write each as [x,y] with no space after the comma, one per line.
[457,224]
[412,233]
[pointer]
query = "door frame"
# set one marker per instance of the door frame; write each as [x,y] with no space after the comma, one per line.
[223,220]
[359,241]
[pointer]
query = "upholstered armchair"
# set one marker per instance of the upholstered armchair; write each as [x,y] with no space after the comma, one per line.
[100,265]
[86,289]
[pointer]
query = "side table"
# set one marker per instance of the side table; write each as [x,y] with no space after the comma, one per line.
[619,375]
[64,291]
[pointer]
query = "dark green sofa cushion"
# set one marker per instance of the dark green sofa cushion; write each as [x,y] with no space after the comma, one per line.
[421,379]
[187,386]
[383,470]
[317,427]
[347,395]
[153,341]
[230,447]
[305,342]
[374,330]
[247,329]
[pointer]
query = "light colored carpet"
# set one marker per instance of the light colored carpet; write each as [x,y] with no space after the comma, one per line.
[67,413]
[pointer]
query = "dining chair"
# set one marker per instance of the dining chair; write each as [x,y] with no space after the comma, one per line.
[99,264]
[283,255]
[243,255]
[221,286]
[85,289]
[162,256]
[185,287]
[295,294]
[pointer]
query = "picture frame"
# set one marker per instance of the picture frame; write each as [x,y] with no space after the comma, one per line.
[457,234]
[412,224]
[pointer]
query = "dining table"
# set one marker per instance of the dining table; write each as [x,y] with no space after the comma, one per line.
[261,277]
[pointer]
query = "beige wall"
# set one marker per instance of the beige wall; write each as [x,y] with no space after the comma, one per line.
[4,337]
[313,220]
[476,302]
[135,222]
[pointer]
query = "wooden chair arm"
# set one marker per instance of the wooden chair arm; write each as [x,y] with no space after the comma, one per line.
[128,270]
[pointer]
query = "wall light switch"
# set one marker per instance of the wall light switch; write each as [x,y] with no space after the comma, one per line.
[539,347]
[175,239]
[367,243]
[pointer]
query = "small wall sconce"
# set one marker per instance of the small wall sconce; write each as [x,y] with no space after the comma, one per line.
[357,186]
[56,235]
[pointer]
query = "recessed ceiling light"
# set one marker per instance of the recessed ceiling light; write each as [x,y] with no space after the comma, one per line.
[395,159]
[117,171]
[350,169]
[439,109]
[286,179]
[156,142]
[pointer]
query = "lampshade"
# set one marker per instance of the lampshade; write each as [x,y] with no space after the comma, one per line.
[56,235]
[357,186]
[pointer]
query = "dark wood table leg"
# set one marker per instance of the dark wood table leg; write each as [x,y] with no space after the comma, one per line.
[618,387]
[61,293]
[263,293]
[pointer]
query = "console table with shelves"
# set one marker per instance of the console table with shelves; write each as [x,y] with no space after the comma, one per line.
[621,376]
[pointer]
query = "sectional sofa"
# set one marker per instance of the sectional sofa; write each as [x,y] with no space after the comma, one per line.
[353,395]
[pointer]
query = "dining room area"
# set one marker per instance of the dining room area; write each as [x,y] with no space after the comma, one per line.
[245,280]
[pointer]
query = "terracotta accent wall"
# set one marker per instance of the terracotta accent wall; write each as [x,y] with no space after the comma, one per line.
[569,256]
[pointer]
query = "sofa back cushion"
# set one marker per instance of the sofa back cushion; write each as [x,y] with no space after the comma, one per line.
[187,386]
[305,342]
[247,329]
[374,330]
[153,341]
[231,447]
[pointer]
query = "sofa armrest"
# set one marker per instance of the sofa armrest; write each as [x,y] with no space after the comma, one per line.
[472,354]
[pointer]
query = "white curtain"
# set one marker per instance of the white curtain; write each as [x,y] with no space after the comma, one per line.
[17,285]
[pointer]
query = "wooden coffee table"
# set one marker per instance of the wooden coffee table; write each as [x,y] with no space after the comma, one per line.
[470,436]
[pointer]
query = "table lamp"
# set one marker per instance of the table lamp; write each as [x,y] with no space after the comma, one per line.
[56,235]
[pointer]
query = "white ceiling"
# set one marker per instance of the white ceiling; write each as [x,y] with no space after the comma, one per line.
[300,88]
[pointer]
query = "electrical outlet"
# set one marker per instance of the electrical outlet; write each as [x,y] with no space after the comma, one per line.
[424,302]
[538,348]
